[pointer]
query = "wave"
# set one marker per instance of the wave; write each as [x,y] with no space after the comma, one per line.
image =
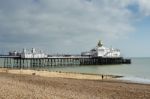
[135,79]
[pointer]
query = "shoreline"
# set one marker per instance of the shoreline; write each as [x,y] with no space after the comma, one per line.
[137,80]
[73,75]
[76,75]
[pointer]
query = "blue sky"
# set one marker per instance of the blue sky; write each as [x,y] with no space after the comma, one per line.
[73,26]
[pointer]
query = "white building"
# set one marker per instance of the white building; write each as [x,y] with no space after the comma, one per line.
[29,54]
[101,51]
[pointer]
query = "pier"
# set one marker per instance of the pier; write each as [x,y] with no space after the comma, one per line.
[18,62]
[33,58]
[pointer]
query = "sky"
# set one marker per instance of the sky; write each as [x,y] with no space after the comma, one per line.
[73,26]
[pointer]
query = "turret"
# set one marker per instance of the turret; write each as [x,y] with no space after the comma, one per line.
[100,44]
[24,50]
[33,50]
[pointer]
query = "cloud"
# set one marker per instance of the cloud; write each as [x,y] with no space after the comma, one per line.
[144,6]
[63,25]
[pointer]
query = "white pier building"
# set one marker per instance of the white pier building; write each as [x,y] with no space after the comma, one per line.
[98,51]
[101,51]
[29,54]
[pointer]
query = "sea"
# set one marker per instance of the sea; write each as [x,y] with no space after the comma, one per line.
[138,71]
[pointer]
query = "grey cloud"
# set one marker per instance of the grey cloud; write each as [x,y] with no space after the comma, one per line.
[62,25]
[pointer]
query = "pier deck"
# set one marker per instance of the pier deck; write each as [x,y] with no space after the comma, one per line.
[55,61]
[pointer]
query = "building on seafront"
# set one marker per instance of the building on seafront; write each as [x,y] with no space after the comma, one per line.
[101,51]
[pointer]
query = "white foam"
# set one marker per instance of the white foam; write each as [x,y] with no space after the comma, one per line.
[136,80]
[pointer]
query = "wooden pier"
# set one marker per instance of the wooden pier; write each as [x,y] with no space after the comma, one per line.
[18,62]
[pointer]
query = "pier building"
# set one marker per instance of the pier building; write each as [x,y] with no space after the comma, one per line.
[29,54]
[101,51]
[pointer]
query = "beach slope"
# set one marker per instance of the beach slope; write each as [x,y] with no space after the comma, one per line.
[23,86]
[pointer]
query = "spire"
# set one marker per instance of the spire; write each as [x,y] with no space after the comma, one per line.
[100,44]
[33,50]
[24,50]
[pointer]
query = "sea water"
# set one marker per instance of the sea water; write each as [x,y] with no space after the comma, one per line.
[138,71]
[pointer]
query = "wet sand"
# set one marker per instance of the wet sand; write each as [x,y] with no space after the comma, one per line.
[40,85]
[45,73]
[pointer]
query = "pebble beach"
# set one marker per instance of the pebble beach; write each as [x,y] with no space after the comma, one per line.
[31,84]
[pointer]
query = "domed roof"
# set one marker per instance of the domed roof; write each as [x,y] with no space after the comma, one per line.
[100,44]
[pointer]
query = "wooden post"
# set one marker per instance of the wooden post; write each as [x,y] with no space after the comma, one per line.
[4,62]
